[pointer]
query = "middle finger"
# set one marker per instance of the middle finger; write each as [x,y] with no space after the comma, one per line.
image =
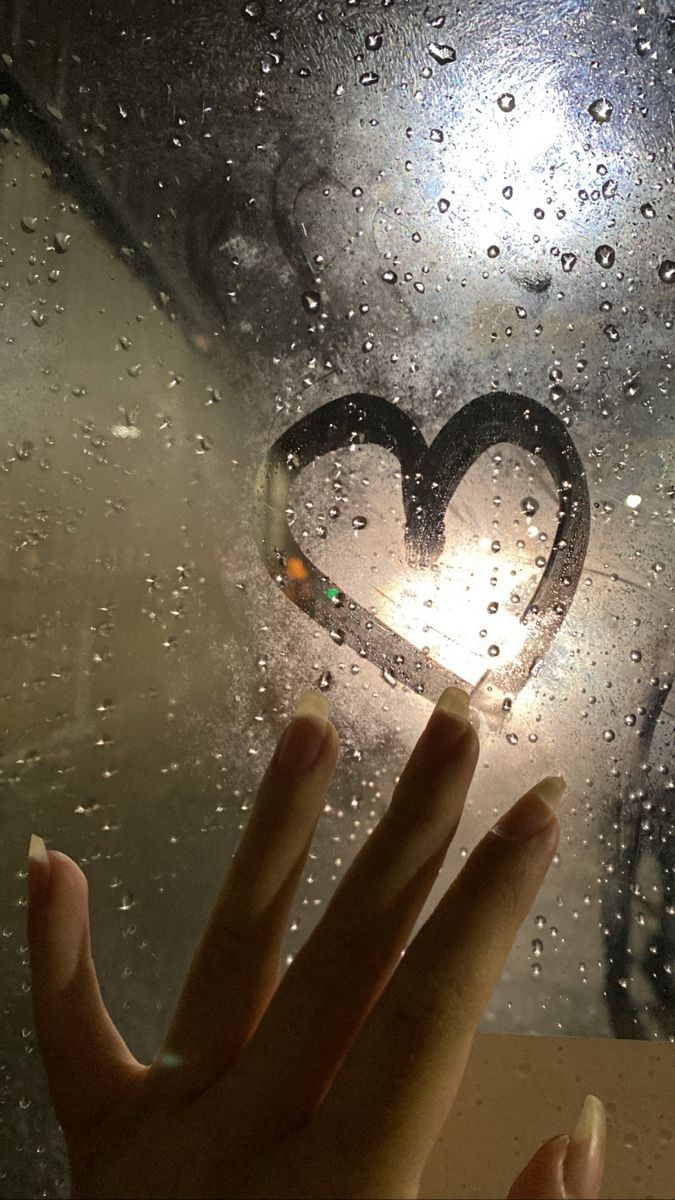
[337,976]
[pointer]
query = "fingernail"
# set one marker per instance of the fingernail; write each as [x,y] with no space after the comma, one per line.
[39,866]
[585,1159]
[533,811]
[37,851]
[300,743]
[446,725]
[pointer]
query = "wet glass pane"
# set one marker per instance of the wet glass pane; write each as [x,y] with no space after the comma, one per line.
[336,351]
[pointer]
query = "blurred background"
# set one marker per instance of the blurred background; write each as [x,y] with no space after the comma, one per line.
[215,219]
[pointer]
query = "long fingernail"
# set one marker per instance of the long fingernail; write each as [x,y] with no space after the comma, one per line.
[446,725]
[301,742]
[39,866]
[533,811]
[585,1159]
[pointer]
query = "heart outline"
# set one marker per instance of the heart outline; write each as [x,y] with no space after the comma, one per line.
[486,421]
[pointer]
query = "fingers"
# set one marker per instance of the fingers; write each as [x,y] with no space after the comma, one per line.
[405,1066]
[88,1064]
[236,967]
[567,1168]
[335,979]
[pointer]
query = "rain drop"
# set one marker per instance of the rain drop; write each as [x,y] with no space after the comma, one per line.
[29,224]
[609,735]
[601,110]
[529,505]
[359,522]
[647,209]
[493,251]
[311,301]
[368,78]
[441,54]
[389,276]
[667,271]
[568,261]
[604,255]
[443,204]
[507,102]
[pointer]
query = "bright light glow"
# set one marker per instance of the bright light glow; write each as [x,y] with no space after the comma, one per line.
[450,626]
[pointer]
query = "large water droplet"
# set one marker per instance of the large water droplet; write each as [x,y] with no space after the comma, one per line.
[442,54]
[601,110]
[529,505]
[647,209]
[368,78]
[604,255]
[667,271]
[373,41]
[29,224]
[359,522]
[507,102]
[311,301]
[568,260]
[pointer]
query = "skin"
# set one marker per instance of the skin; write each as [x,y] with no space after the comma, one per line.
[336,1079]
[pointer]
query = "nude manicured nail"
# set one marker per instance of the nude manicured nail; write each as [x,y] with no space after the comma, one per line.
[37,851]
[585,1159]
[447,723]
[533,811]
[301,742]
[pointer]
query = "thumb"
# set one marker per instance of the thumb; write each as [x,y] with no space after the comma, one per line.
[567,1168]
[89,1066]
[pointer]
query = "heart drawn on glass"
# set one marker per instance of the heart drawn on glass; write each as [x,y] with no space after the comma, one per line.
[430,476]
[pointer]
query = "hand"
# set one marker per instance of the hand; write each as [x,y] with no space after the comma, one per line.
[337,1080]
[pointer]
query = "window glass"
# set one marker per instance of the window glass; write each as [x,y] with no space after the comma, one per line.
[337,352]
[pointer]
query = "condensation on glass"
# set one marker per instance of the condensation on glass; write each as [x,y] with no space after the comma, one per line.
[336,351]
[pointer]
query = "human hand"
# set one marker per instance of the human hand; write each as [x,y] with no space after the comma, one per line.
[337,1080]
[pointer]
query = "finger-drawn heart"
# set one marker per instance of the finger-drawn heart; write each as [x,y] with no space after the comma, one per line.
[430,476]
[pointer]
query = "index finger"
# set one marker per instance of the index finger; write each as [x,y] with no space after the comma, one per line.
[397,1084]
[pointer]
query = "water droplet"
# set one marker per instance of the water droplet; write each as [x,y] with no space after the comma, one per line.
[368,78]
[536,969]
[539,214]
[39,317]
[609,735]
[311,301]
[443,204]
[442,54]
[507,192]
[493,651]
[604,255]
[359,522]
[629,719]
[62,242]
[325,681]
[636,655]
[436,135]
[667,271]
[337,636]
[568,260]
[495,546]
[493,607]
[611,332]
[253,11]
[389,677]
[609,189]
[537,946]
[647,209]
[601,110]
[493,251]
[507,102]
[29,224]
[373,41]
[540,921]
[529,505]
[643,46]
[389,276]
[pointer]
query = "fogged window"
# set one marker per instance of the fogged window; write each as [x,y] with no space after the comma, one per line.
[336,351]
